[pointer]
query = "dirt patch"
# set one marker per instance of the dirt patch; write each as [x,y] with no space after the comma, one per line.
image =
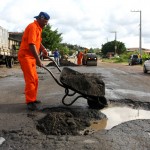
[67,121]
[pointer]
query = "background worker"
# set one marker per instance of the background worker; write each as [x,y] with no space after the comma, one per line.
[79,58]
[57,56]
[28,57]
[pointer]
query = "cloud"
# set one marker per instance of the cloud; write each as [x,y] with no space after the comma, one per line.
[83,22]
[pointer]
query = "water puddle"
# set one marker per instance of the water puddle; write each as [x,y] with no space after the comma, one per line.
[116,116]
[99,125]
[95,126]
[2,140]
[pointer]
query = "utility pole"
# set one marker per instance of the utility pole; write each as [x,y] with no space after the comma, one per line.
[115,41]
[140,32]
[107,39]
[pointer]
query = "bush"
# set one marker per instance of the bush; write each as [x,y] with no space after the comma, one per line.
[145,56]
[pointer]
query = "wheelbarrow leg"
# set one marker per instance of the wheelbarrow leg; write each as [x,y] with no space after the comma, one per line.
[67,94]
[97,102]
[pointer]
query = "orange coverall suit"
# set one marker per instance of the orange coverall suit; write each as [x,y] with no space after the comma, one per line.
[79,58]
[32,35]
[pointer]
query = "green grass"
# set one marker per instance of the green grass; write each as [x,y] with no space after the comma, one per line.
[123,58]
[115,60]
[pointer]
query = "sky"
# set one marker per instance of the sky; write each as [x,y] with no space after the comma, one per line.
[88,23]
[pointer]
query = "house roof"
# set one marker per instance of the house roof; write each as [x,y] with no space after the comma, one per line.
[137,48]
[16,36]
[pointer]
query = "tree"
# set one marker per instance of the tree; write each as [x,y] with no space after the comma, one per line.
[110,47]
[51,39]
[64,50]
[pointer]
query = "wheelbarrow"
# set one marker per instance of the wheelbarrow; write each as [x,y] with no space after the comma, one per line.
[78,85]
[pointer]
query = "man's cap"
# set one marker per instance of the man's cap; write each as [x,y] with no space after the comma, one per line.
[43,15]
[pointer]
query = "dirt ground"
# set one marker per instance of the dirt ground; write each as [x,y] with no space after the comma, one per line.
[56,126]
[64,121]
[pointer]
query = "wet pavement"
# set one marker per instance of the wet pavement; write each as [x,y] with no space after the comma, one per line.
[126,126]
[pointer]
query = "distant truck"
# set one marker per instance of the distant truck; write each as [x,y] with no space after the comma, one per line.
[8,48]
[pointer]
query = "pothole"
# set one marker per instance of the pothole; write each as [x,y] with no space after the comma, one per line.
[84,121]
[115,116]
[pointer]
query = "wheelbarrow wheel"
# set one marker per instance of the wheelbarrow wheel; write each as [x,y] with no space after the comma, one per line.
[97,103]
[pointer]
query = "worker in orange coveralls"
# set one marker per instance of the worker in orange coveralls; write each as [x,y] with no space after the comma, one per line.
[79,58]
[28,57]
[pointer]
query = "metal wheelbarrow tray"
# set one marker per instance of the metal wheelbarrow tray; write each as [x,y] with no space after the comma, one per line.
[80,85]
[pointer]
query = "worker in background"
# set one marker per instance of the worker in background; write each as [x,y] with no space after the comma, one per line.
[85,51]
[140,58]
[79,58]
[57,56]
[84,56]
[28,57]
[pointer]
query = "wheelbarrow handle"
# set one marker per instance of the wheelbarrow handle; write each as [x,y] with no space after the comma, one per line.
[53,76]
[54,63]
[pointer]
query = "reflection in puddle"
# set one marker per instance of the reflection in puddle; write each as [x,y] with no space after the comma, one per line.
[117,115]
[98,125]
[95,126]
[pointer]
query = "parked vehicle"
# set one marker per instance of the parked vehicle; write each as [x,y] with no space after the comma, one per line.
[134,59]
[8,48]
[89,59]
[146,66]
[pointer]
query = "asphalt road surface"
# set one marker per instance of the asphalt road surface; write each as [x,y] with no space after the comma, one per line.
[125,86]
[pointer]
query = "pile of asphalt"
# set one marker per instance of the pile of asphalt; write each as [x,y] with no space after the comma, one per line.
[67,121]
[63,62]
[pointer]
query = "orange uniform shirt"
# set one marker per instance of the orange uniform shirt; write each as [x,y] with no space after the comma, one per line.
[32,35]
